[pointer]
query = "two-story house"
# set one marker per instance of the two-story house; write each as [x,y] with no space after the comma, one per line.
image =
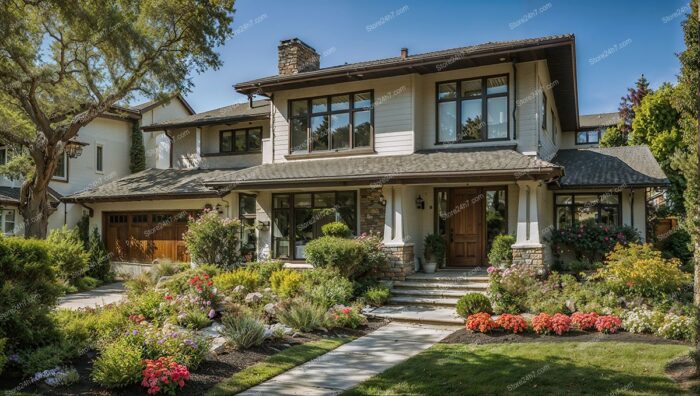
[468,143]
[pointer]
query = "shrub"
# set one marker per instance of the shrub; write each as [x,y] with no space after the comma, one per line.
[377,295]
[61,377]
[28,291]
[164,375]
[542,323]
[244,277]
[373,253]
[140,284]
[99,257]
[184,347]
[327,287]
[3,356]
[211,239]
[508,288]
[243,331]
[640,270]
[584,321]
[345,255]
[87,283]
[501,253]
[434,247]
[202,287]
[608,324]
[639,320]
[43,358]
[67,253]
[472,303]
[480,322]
[118,365]
[512,323]
[169,268]
[589,240]
[561,324]
[265,268]
[148,304]
[677,244]
[677,327]
[303,315]
[336,229]
[193,318]
[343,316]
[90,327]
[180,282]
[285,282]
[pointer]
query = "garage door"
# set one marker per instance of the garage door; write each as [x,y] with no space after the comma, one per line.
[142,237]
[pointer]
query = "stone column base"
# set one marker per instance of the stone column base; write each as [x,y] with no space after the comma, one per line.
[400,263]
[531,255]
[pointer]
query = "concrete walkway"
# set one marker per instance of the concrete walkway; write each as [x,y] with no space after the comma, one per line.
[353,363]
[103,295]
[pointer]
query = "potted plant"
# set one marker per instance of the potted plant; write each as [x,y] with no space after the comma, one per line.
[434,252]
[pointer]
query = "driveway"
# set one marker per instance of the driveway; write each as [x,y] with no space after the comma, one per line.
[103,295]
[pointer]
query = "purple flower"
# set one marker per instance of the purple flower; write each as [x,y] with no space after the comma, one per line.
[135,332]
[161,341]
[14,358]
[212,313]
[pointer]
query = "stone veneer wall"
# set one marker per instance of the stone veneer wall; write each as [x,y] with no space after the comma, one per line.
[371,211]
[295,56]
[401,263]
[529,255]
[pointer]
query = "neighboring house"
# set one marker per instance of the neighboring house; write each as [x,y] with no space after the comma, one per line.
[591,128]
[469,143]
[105,142]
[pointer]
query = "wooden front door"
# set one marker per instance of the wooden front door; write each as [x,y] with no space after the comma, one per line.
[466,228]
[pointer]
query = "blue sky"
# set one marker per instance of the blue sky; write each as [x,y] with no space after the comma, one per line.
[648,34]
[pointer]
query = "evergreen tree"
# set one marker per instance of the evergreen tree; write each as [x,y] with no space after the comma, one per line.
[137,153]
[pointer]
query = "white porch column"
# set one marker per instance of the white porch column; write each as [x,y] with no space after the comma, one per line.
[388,193]
[398,216]
[198,145]
[528,230]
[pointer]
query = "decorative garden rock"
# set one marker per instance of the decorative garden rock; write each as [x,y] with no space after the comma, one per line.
[239,289]
[276,330]
[253,297]
[270,309]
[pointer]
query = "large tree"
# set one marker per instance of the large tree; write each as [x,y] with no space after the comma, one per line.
[629,102]
[63,63]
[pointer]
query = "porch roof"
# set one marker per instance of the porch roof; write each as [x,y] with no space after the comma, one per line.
[421,167]
[629,166]
[9,195]
[150,184]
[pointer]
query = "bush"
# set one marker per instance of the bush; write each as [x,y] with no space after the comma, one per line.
[28,292]
[561,324]
[285,282]
[608,324]
[43,358]
[343,316]
[336,229]
[142,283]
[542,323]
[303,315]
[501,253]
[373,254]
[169,268]
[87,283]
[184,347]
[591,241]
[326,287]
[265,268]
[345,255]
[148,304]
[67,253]
[677,327]
[3,356]
[98,262]
[377,295]
[434,248]
[639,270]
[639,320]
[678,245]
[90,328]
[180,282]
[241,276]
[584,321]
[508,288]
[164,375]
[472,303]
[480,322]
[243,331]
[118,365]
[211,239]
[512,323]
[193,318]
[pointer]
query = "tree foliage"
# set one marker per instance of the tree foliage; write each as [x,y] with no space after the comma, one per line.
[629,102]
[63,63]
[137,152]
[613,137]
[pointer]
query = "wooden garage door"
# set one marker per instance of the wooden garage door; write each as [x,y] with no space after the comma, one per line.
[145,236]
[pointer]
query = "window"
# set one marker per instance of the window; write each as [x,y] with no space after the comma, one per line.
[543,110]
[298,218]
[7,221]
[3,155]
[472,110]
[588,137]
[575,208]
[555,128]
[61,171]
[240,140]
[98,158]
[496,214]
[246,213]
[331,123]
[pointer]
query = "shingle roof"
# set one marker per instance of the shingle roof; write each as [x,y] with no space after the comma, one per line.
[598,120]
[230,113]
[151,184]
[9,195]
[629,166]
[381,168]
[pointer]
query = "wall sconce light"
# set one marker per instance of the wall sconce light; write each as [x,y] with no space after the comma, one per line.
[382,200]
[262,225]
[74,148]
[219,209]
[420,203]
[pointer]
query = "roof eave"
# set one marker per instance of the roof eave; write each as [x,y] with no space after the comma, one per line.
[136,197]
[221,120]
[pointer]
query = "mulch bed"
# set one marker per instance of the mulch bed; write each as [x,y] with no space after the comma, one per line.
[208,374]
[464,336]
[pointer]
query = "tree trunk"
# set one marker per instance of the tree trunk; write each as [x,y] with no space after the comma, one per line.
[35,209]
[695,212]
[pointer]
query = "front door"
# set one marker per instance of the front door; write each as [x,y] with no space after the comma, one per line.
[465,227]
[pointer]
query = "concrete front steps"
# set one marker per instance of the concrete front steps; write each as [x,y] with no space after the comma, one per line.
[431,298]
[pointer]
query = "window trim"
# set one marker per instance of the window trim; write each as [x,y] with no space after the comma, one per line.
[248,216]
[66,168]
[599,205]
[484,108]
[544,109]
[3,221]
[99,158]
[350,111]
[600,136]
[233,141]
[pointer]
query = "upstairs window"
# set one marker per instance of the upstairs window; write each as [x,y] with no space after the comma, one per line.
[7,221]
[331,123]
[61,171]
[99,162]
[240,141]
[472,110]
[588,137]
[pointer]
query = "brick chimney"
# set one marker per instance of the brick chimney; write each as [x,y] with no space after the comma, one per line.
[295,56]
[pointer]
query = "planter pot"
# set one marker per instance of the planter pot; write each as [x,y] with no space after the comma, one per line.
[429,267]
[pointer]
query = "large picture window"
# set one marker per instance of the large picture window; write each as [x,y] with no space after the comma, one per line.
[472,110]
[331,123]
[297,219]
[588,137]
[237,141]
[246,213]
[575,208]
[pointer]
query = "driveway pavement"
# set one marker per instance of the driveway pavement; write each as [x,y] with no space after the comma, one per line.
[103,295]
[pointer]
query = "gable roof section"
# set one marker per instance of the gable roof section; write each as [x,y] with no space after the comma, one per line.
[228,114]
[559,51]
[147,106]
[390,169]
[151,184]
[629,166]
[592,121]
[10,195]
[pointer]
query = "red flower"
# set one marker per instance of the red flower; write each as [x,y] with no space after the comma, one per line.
[513,323]
[560,323]
[584,321]
[608,324]
[480,322]
[542,323]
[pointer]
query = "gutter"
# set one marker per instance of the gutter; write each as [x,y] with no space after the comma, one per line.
[172,146]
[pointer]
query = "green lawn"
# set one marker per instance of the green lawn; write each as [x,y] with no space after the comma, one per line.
[275,365]
[561,368]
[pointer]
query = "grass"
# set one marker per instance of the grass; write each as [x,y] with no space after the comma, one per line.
[562,368]
[275,365]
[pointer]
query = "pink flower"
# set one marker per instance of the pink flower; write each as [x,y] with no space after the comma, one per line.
[490,269]
[212,313]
